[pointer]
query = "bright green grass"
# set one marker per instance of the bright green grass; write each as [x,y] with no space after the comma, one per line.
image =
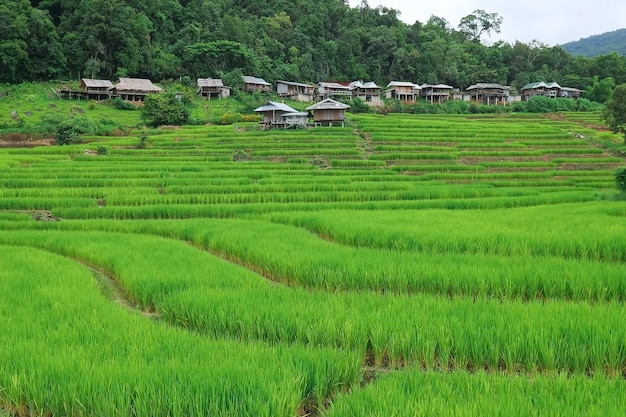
[68,351]
[422,243]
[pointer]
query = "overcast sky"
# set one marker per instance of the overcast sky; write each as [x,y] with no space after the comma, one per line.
[552,22]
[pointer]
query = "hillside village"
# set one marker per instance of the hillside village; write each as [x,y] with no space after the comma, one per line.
[327,95]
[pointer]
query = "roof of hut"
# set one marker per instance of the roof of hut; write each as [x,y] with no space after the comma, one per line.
[210,82]
[440,86]
[488,86]
[137,84]
[274,106]
[328,104]
[254,80]
[91,83]
[403,84]
[540,84]
[331,84]
[294,83]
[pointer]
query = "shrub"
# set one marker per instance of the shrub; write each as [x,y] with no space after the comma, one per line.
[358,106]
[164,109]
[144,140]
[230,118]
[120,104]
[456,107]
[241,156]
[620,179]
[251,118]
[66,130]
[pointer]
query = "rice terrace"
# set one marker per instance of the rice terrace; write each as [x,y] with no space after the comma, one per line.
[402,265]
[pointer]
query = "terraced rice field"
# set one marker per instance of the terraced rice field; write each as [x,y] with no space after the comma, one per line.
[402,266]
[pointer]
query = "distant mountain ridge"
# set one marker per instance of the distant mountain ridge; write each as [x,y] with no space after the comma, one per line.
[602,44]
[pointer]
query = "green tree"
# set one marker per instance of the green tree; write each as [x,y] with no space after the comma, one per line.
[29,44]
[66,130]
[600,91]
[109,31]
[211,58]
[480,23]
[614,113]
[620,179]
[164,109]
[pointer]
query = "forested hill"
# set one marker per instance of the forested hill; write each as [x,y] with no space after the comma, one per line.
[295,40]
[599,44]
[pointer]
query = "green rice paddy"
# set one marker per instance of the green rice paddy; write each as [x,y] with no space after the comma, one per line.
[404,265]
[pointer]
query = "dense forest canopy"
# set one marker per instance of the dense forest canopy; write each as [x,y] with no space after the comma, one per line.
[297,40]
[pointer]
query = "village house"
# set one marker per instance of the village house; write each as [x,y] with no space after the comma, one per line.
[550,89]
[295,91]
[403,91]
[368,92]
[569,92]
[96,89]
[540,88]
[329,112]
[333,90]
[252,84]
[135,89]
[212,87]
[436,93]
[489,93]
[281,115]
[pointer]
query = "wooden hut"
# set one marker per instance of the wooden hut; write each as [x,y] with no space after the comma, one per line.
[274,114]
[212,87]
[436,93]
[489,93]
[135,89]
[329,112]
[331,89]
[569,92]
[403,91]
[295,91]
[368,92]
[96,89]
[252,84]
[540,88]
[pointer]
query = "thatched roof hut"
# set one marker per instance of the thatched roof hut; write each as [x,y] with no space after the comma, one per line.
[208,87]
[88,84]
[93,89]
[251,84]
[135,88]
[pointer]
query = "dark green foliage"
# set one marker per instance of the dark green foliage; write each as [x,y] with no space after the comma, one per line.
[66,130]
[164,109]
[543,104]
[120,104]
[294,40]
[456,107]
[358,106]
[620,179]
[614,113]
[600,90]
[233,79]
[29,43]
